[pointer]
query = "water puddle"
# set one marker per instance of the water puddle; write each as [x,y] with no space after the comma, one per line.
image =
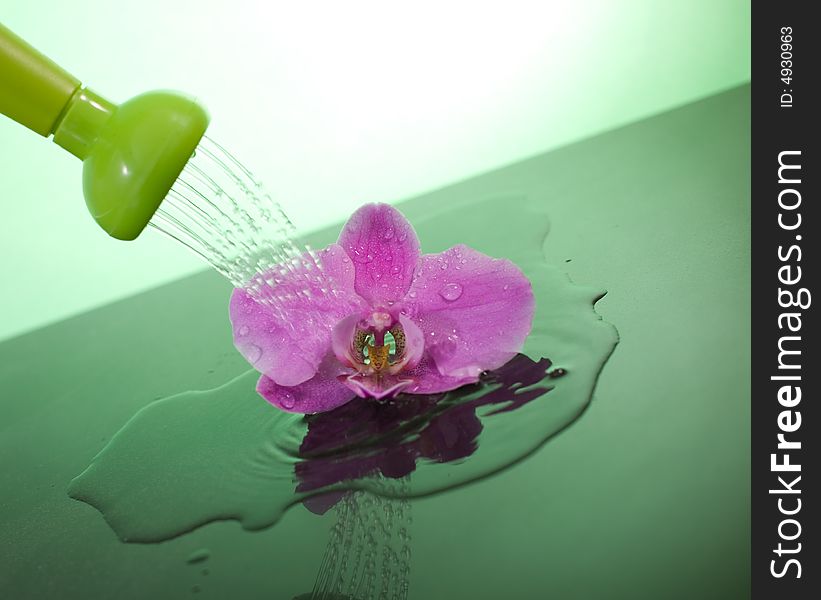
[204,456]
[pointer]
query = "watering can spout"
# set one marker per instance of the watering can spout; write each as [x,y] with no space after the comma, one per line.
[132,153]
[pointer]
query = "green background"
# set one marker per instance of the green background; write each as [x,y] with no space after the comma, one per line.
[338,103]
[646,496]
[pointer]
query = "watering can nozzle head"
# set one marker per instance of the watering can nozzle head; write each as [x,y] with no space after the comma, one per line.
[132,153]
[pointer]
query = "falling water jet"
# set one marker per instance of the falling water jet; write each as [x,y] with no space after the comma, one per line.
[368,551]
[220,211]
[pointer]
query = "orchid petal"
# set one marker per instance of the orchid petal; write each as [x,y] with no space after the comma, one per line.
[475,311]
[287,334]
[385,250]
[414,342]
[341,338]
[426,379]
[321,393]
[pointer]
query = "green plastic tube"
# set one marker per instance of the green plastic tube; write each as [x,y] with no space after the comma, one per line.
[34,90]
[132,153]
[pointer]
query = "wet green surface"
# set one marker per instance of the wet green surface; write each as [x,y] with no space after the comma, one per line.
[203,456]
[646,496]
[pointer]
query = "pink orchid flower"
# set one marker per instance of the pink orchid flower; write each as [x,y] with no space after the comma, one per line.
[397,321]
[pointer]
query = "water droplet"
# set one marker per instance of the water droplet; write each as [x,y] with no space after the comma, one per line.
[198,556]
[253,353]
[451,291]
[243,330]
[396,269]
[412,294]
[361,257]
[388,233]
[287,400]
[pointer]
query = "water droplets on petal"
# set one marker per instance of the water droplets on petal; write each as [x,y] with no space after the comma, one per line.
[451,291]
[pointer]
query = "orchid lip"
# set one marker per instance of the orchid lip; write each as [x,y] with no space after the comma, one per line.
[380,349]
[378,388]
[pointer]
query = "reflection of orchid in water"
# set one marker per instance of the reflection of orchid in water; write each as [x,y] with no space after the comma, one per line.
[368,552]
[362,439]
[393,321]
